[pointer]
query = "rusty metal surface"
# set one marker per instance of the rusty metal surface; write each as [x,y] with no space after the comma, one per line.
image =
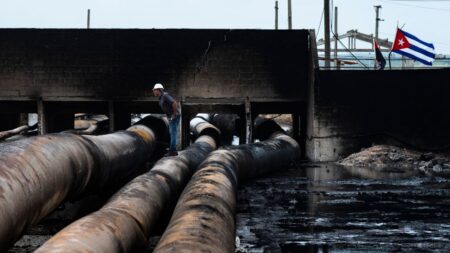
[125,223]
[205,212]
[38,173]
[204,218]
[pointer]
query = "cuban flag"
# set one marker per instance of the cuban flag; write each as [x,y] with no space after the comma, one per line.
[379,56]
[410,46]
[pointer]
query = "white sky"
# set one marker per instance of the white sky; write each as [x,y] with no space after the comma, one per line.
[427,19]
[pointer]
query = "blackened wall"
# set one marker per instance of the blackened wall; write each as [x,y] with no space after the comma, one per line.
[355,109]
[124,64]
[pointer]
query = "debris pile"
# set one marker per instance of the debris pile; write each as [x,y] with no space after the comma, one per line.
[385,156]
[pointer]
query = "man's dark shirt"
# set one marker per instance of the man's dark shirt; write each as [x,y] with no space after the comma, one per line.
[165,102]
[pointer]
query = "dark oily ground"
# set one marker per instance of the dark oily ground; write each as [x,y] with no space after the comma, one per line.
[401,204]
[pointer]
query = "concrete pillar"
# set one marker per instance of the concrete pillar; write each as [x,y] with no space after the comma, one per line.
[299,129]
[248,122]
[42,123]
[303,130]
[111,116]
[241,126]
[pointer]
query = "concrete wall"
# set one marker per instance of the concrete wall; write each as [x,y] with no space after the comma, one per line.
[355,109]
[64,71]
[119,64]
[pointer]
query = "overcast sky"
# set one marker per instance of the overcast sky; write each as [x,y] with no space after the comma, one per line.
[427,19]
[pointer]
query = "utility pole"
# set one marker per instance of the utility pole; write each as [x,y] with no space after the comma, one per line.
[89,19]
[326,6]
[276,15]
[336,37]
[377,20]
[289,15]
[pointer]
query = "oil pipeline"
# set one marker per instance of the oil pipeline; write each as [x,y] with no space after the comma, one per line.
[38,173]
[204,218]
[126,222]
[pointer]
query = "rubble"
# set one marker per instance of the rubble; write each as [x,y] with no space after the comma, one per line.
[384,157]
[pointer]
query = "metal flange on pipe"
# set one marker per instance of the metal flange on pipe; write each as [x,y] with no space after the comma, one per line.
[38,173]
[200,125]
[126,222]
[204,217]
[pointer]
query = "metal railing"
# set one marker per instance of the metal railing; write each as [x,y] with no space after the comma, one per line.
[368,63]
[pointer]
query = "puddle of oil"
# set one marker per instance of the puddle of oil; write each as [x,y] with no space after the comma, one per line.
[329,208]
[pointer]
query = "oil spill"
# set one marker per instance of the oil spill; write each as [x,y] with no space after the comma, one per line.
[329,208]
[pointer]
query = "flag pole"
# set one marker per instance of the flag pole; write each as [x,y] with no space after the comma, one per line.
[390,68]
[390,52]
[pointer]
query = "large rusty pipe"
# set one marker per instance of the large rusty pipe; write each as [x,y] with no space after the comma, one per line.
[204,217]
[226,123]
[37,174]
[125,223]
[12,132]
[199,126]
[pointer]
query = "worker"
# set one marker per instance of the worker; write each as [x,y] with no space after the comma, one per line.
[170,107]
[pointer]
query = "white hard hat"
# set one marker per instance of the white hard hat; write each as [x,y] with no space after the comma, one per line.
[158,86]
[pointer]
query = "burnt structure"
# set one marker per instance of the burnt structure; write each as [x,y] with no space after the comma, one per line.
[57,73]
